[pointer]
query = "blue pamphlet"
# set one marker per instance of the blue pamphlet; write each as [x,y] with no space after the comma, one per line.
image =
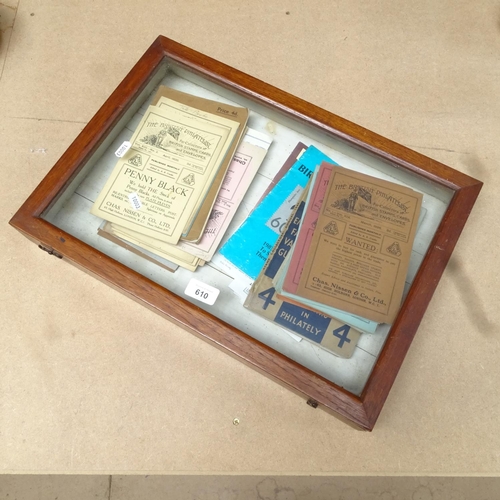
[248,248]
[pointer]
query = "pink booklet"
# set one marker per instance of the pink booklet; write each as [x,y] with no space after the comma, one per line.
[247,160]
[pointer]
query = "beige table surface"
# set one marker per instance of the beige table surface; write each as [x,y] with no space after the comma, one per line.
[91,381]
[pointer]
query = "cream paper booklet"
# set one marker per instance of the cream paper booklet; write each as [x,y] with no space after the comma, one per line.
[246,161]
[193,231]
[176,151]
[156,247]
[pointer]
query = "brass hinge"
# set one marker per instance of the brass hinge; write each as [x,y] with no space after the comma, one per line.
[50,251]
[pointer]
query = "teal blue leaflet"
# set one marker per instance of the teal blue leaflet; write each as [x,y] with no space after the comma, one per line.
[248,248]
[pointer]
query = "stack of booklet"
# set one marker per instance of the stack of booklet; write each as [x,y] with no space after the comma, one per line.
[180,179]
[326,249]
[330,251]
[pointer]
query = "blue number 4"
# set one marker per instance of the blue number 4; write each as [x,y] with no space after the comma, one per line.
[267,297]
[343,334]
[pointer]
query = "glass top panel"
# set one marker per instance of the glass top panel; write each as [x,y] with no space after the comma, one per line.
[71,213]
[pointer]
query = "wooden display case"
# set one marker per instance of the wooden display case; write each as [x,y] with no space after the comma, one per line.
[56,216]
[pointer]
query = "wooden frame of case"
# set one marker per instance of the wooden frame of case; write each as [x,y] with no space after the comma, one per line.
[361,410]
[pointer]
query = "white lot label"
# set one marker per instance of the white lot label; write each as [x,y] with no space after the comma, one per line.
[202,292]
[135,201]
[123,149]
